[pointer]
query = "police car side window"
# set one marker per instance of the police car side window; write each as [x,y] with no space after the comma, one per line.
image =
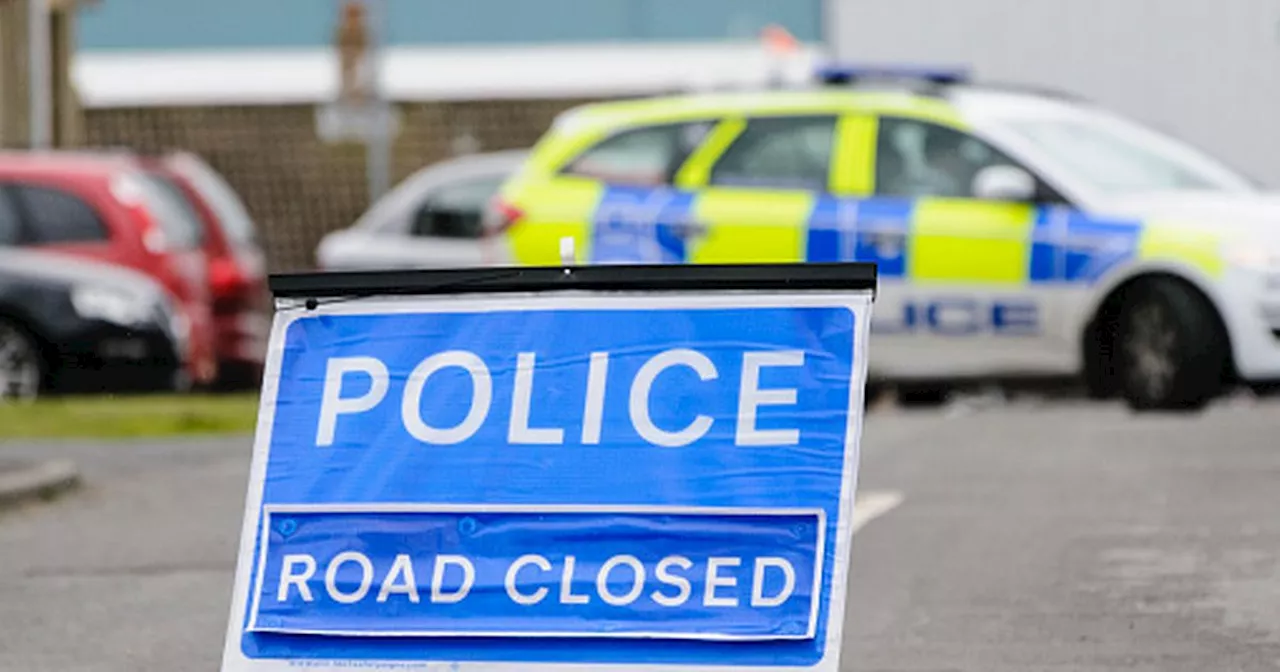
[647,156]
[780,152]
[916,158]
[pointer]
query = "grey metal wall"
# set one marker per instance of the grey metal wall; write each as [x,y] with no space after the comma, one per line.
[1205,70]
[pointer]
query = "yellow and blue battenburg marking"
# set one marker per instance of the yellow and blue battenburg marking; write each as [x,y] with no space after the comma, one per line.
[641,224]
[1065,246]
[877,229]
[1070,246]
[923,239]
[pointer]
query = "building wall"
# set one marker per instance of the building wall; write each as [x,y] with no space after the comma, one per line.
[240,24]
[1202,70]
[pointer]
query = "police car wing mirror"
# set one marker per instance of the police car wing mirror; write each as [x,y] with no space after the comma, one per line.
[1004,183]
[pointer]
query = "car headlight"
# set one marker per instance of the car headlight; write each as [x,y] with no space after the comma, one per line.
[110,305]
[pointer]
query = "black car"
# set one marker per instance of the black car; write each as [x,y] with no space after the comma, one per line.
[75,326]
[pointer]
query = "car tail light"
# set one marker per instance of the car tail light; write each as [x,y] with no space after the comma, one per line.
[224,277]
[503,216]
[232,292]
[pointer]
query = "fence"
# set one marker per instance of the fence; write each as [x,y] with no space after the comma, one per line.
[297,187]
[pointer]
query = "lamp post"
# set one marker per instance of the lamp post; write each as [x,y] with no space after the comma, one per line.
[40,81]
[378,149]
[361,111]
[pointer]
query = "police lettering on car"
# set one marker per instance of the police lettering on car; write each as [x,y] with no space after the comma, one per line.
[960,316]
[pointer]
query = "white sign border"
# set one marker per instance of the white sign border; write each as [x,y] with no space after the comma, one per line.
[858,302]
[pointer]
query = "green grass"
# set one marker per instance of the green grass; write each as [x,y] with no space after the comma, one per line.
[121,417]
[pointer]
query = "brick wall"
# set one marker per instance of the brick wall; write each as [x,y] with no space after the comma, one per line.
[297,187]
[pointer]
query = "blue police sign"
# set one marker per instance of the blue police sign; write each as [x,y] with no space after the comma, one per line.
[653,471]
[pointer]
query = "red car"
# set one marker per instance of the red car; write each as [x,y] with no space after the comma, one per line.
[237,268]
[114,209]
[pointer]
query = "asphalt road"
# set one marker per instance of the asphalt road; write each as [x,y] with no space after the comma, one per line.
[1067,537]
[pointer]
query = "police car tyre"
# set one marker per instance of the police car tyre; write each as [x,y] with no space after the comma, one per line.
[1100,377]
[1171,349]
[21,367]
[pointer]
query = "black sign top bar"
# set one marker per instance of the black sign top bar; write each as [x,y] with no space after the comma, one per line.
[670,277]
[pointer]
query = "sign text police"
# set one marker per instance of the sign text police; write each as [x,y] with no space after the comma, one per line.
[479,402]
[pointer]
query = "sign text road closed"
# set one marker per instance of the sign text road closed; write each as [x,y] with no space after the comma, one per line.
[704,576]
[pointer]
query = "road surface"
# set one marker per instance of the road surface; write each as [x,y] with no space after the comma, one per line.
[1023,537]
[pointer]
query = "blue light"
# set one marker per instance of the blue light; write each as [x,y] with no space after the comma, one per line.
[847,74]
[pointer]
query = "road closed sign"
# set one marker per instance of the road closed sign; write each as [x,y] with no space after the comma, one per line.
[621,468]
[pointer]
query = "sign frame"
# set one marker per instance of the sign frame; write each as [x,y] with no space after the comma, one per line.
[317,293]
[367,122]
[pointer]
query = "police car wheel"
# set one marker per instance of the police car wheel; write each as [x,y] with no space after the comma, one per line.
[1169,350]
[1100,376]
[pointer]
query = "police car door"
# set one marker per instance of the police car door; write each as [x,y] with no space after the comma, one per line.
[759,179]
[639,215]
[956,293]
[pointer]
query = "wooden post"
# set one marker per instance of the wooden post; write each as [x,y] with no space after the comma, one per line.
[13,73]
[66,122]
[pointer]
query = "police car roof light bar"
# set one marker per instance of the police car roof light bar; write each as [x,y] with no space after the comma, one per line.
[849,74]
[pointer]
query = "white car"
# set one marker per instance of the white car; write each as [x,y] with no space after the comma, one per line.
[1017,232]
[429,220]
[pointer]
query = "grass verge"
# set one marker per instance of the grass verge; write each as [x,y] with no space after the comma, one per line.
[129,416]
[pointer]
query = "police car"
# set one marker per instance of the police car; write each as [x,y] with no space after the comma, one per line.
[1018,232]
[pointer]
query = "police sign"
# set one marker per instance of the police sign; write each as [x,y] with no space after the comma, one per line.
[633,468]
